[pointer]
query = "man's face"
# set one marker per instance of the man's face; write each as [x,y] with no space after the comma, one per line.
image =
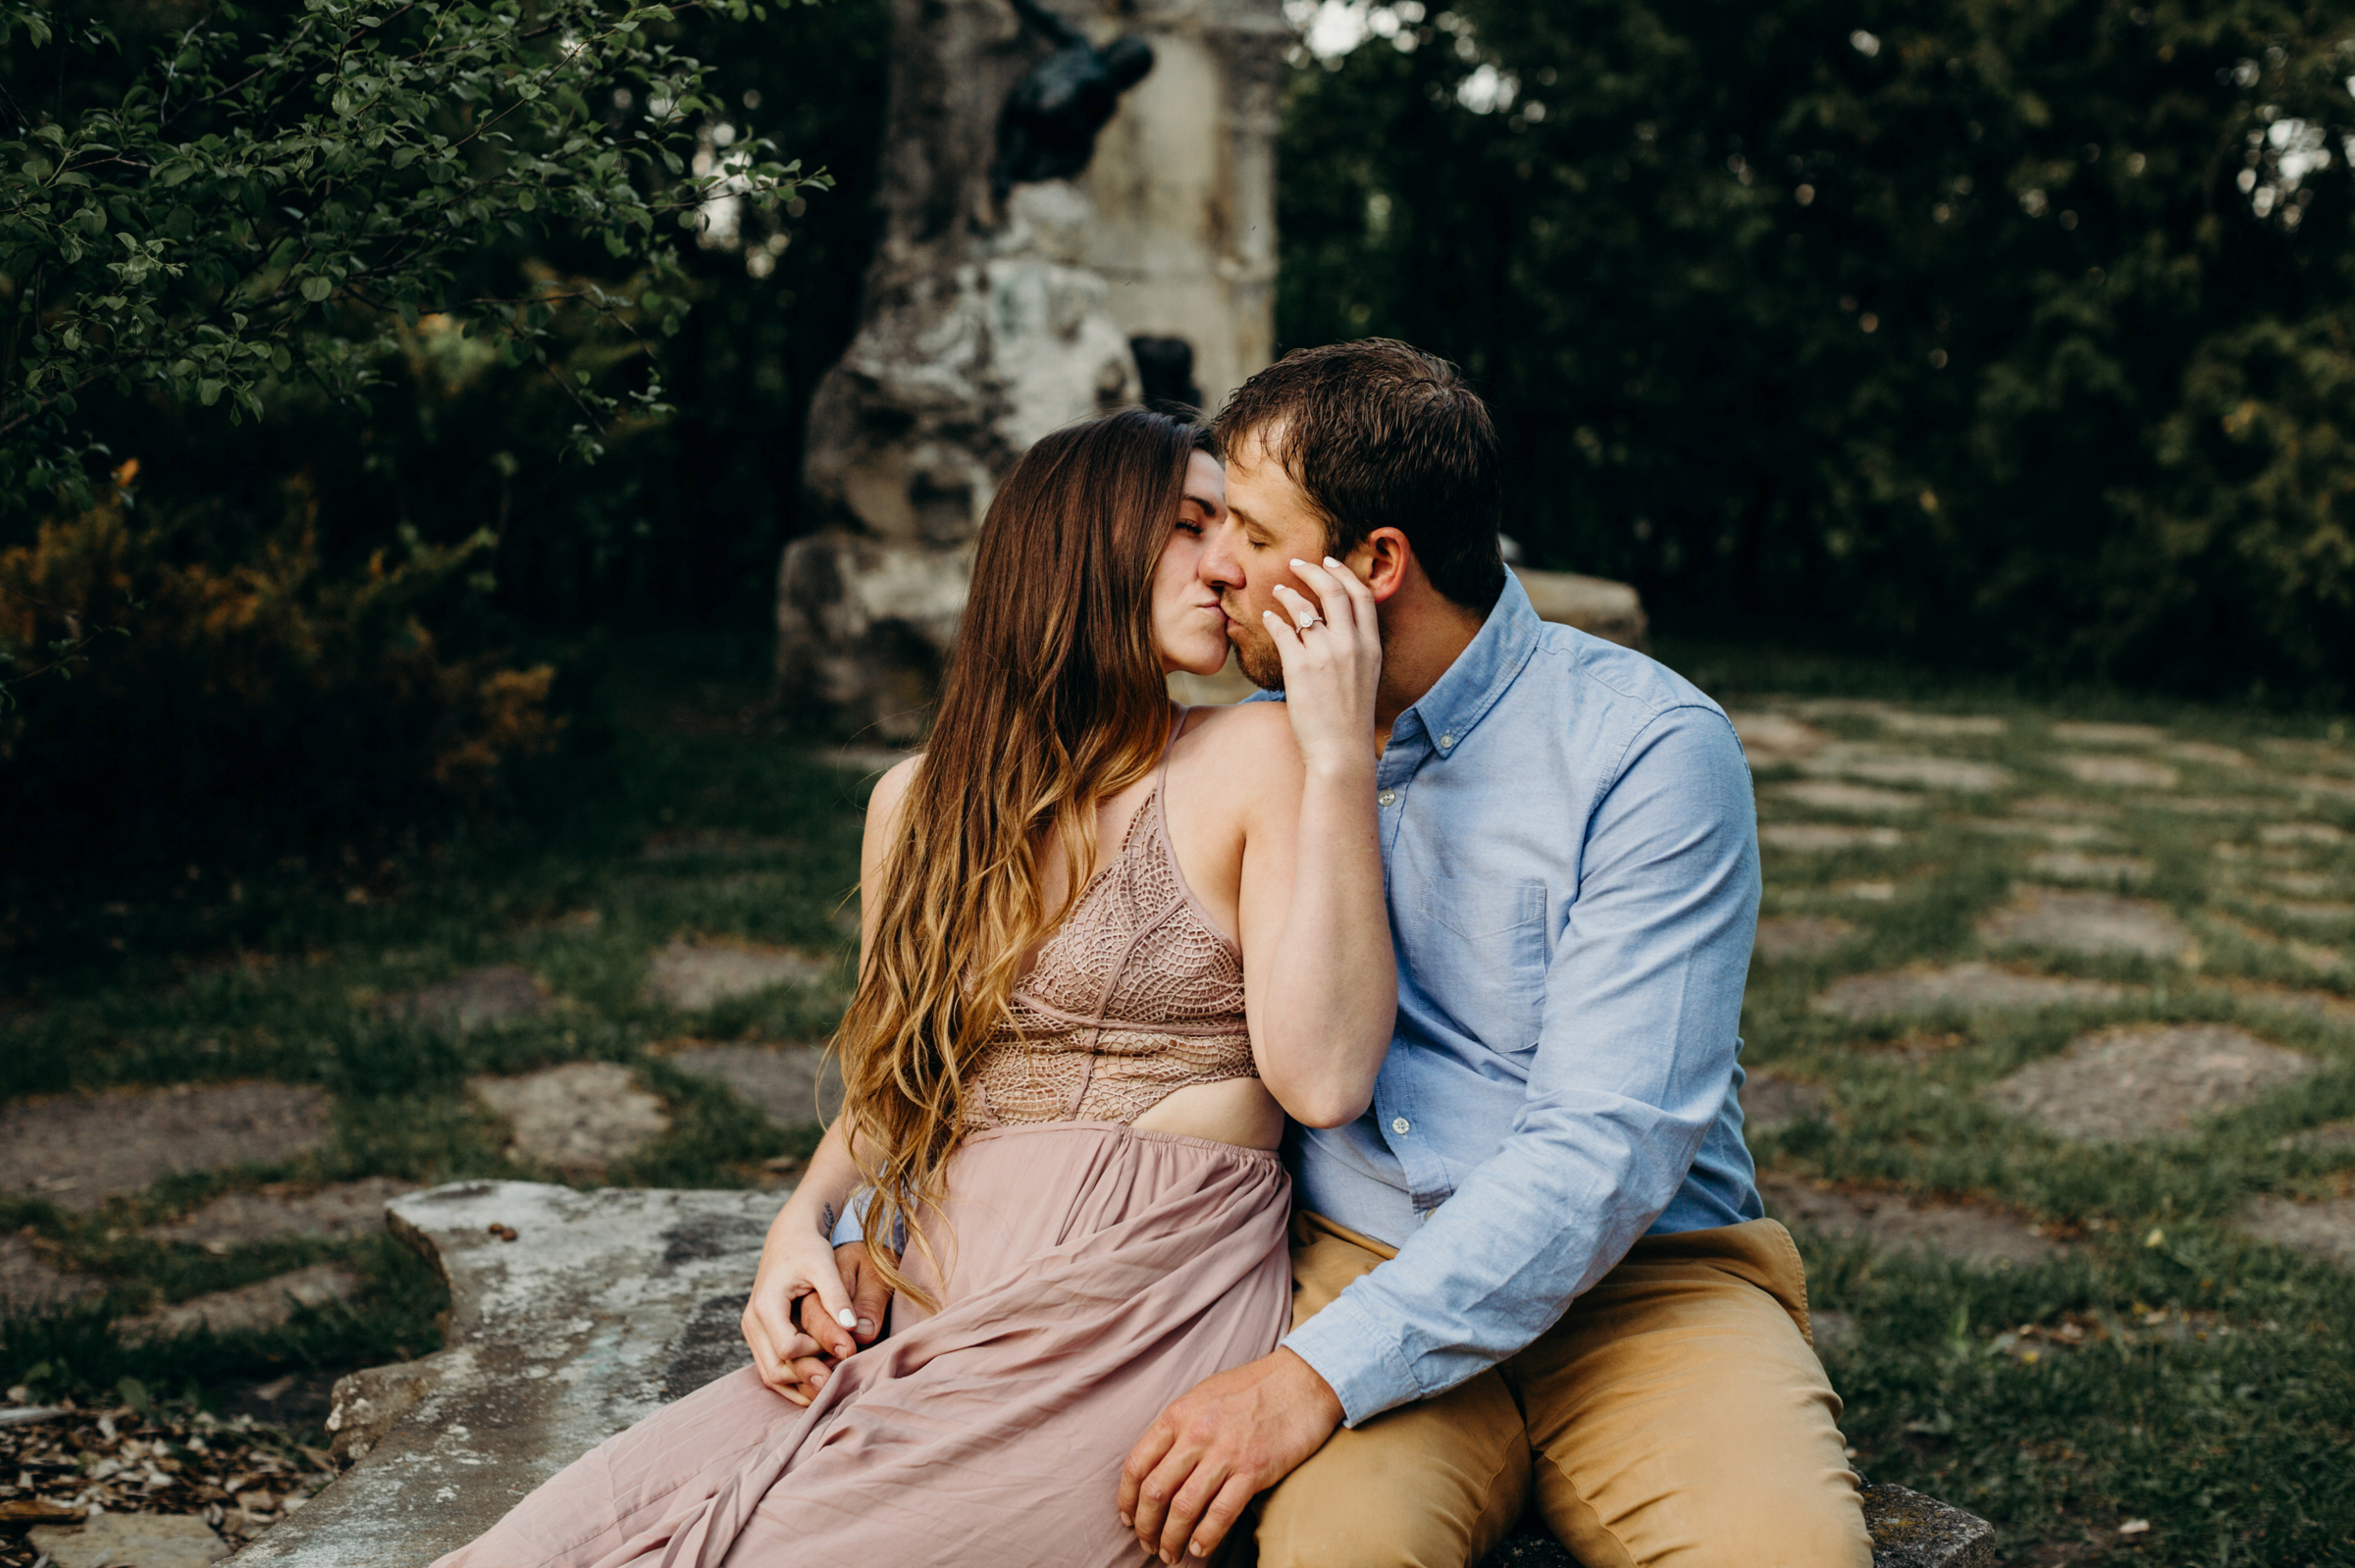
[1268,524]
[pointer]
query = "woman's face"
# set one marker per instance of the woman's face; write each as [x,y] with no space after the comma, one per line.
[1190,629]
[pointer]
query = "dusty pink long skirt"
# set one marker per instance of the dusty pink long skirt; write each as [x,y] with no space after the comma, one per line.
[1095,1274]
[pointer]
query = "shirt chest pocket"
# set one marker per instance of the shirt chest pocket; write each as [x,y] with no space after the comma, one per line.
[1478,956]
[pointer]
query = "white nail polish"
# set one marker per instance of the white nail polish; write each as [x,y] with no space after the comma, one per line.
[847,1318]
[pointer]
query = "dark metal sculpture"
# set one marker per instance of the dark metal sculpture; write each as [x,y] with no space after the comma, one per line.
[1047,129]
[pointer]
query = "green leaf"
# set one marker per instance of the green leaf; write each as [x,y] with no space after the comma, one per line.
[315,288]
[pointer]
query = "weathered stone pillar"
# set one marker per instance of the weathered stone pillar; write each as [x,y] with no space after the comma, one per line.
[1009,280]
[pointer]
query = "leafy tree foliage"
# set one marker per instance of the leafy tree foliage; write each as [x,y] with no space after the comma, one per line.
[1996,332]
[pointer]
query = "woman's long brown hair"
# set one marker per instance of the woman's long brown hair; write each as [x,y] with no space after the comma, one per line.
[1054,700]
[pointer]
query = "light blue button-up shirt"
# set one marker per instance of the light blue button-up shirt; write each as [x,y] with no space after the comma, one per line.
[1570,855]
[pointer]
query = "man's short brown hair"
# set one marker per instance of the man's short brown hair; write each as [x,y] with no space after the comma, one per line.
[1382,434]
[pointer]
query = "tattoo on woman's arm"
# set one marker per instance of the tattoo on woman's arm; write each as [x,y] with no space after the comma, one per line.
[830,1221]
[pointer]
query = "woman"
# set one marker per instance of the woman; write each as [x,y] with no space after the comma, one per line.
[1106,946]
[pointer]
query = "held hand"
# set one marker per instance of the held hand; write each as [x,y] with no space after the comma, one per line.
[797,1262]
[1189,1477]
[1332,652]
[871,1298]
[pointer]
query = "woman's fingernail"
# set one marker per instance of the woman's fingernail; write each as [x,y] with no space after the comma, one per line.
[869,1323]
[1297,562]
[817,1380]
[846,1316]
[1330,562]
[1127,1523]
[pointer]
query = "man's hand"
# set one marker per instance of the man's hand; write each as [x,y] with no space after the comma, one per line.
[871,1298]
[1189,1477]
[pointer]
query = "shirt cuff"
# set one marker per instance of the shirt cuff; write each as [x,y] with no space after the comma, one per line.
[1357,1357]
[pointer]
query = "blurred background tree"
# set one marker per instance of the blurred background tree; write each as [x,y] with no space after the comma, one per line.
[1991,334]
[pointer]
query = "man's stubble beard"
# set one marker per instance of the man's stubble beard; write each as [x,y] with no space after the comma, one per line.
[1261,664]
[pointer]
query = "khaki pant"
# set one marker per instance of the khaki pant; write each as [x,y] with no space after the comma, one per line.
[1675,1416]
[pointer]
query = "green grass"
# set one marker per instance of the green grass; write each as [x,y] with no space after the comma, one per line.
[2238,1448]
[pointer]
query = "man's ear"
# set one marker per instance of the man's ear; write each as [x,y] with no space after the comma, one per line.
[1382,562]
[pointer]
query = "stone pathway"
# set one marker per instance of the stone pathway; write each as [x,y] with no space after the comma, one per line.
[270,1213]
[693,976]
[30,1283]
[2147,1080]
[264,1304]
[1879,765]
[1802,936]
[2085,923]
[500,994]
[1829,795]
[580,1117]
[1897,1223]
[2070,865]
[783,1081]
[1821,838]
[1972,987]
[2325,1229]
[78,1151]
[1773,740]
[2128,772]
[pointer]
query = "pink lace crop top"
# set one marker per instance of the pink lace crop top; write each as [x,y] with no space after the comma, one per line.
[1136,996]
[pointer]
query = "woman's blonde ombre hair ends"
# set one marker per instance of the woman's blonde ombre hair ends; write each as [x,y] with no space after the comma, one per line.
[1054,700]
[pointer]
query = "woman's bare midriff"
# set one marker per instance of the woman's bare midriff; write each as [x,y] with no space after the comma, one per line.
[1238,1110]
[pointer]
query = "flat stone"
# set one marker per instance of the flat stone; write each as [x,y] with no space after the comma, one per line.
[582,1115]
[1897,1223]
[1823,838]
[2303,884]
[2202,753]
[79,1150]
[693,976]
[2132,772]
[2327,1007]
[2074,866]
[2325,1229]
[2067,807]
[268,1213]
[1770,1100]
[1879,767]
[2313,912]
[783,1081]
[2065,834]
[2147,1080]
[1771,739]
[1829,795]
[28,1283]
[606,1306]
[131,1541]
[499,994]
[2328,789]
[2287,833]
[2206,804]
[2085,923]
[1965,987]
[1942,726]
[1800,936]
[1597,605]
[2094,733]
[1911,1531]
[264,1304]
[1871,892]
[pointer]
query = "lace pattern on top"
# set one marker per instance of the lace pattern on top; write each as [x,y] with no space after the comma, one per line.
[1135,996]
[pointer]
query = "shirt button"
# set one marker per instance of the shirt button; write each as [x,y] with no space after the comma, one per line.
[1446,741]
[1399,1123]
[1388,797]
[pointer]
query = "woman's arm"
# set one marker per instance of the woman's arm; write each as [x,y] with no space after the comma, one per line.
[797,1258]
[1320,982]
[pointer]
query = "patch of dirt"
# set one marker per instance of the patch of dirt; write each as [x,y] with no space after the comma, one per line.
[691,975]
[2095,734]
[29,1284]
[1877,766]
[2325,1229]
[1770,1100]
[78,1151]
[1769,740]
[237,1475]
[783,1081]
[264,1304]
[2128,772]
[499,994]
[2074,866]
[1800,936]
[580,1117]
[1864,998]
[1820,838]
[267,1213]
[1830,795]
[2085,923]
[2147,1080]
[1898,1223]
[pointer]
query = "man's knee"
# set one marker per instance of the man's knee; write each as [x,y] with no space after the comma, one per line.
[1393,1527]
[1724,1520]
[1432,1484]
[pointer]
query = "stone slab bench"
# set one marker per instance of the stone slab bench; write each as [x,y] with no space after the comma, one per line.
[604,1306]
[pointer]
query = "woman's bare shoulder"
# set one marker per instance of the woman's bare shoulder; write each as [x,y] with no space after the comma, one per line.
[892,787]
[1253,739]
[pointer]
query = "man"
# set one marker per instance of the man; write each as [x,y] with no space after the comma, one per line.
[1535,1271]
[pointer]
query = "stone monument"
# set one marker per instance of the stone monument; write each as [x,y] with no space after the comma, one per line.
[1069,197]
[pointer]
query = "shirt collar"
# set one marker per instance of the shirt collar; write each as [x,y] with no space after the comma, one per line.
[1471,686]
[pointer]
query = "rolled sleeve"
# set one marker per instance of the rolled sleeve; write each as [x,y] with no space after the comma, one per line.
[1633,1064]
